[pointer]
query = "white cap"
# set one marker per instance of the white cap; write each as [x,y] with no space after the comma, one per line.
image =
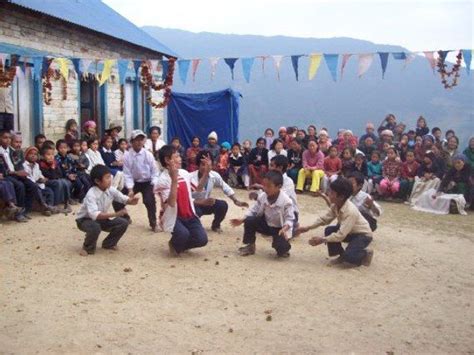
[212,135]
[137,133]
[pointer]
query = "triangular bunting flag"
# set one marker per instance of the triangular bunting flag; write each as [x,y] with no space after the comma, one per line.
[331,62]
[122,70]
[154,66]
[136,66]
[443,54]
[314,62]
[345,59]
[294,62]
[431,59]
[263,58]
[45,66]
[195,65]
[247,64]
[86,63]
[183,65]
[383,62]
[107,71]
[213,61]
[365,61]
[231,63]
[410,57]
[277,60]
[467,55]
[63,64]
[77,66]
[3,58]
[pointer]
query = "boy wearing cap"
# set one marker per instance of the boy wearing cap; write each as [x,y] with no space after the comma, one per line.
[212,146]
[141,174]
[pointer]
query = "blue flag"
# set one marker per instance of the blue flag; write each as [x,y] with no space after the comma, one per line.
[183,65]
[467,55]
[294,62]
[331,61]
[165,65]
[136,66]
[383,61]
[247,64]
[45,66]
[443,54]
[122,70]
[77,66]
[231,63]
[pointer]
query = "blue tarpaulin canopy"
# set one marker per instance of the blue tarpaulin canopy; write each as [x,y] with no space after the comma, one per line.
[198,115]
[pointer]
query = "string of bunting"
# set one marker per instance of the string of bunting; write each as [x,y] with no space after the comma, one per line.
[147,71]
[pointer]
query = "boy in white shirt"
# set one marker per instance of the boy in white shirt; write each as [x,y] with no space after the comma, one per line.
[370,209]
[203,203]
[94,217]
[272,215]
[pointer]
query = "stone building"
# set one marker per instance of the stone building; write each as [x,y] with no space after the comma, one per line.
[86,29]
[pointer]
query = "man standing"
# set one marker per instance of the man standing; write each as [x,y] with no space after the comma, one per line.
[6,109]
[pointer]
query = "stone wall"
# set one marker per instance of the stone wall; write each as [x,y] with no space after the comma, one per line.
[29,29]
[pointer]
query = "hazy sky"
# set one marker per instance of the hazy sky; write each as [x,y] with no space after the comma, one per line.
[415,24]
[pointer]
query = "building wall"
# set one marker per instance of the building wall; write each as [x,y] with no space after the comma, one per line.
[28,29]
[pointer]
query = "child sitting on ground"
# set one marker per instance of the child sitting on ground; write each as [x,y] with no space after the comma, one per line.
[238,176]
[374,172]
[332,167]
[43,195]
[66,164]
[222,162]
[347,158]
[80,165]
[94,217]
[352,227]
[272,215]
[51,171]
[370,209]
[392,169]
[409,170]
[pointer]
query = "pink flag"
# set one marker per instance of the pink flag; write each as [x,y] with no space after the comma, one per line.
[365,61]
[431,59]
[213,61]
[195,64]
[277,59]
[263,58]
[345,59]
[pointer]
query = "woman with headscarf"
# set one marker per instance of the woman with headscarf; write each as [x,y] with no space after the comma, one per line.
[89,131]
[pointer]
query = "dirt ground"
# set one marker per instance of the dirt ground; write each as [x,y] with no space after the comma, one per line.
[417,296]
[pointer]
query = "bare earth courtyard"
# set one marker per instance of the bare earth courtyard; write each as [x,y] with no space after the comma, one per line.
[417,296]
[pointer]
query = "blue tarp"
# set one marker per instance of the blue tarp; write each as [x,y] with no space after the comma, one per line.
[192,115]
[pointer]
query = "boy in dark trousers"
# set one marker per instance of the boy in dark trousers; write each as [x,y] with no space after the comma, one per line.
[352,227]
[272,215]
[94,217]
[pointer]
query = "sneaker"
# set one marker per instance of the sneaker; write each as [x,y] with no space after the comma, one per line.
[11,211]
[368,258]
[217,230]
[246,250]
[336,261]
[67,209]
[20,218]
[173,252]
[47,213]
[284,255]
[73,202]
[27,216]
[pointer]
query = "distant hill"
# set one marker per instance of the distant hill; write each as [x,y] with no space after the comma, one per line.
[350,102]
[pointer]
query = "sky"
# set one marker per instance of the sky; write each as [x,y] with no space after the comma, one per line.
[414,24]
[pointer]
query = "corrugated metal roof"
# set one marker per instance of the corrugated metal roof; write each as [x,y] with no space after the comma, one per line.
[97,16]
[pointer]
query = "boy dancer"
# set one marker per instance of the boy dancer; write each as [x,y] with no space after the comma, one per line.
[178,216]
[140,174]
[272,215]
[352,227]
[94,217]
[203,203]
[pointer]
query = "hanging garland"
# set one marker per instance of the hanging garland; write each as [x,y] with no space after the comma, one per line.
[47,86]
[122,100]
[445,75]
[8,74]
[64,87]
[148,83]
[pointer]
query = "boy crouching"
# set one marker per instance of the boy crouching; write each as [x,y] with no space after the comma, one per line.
[271,215]
[94,217]
[352,227]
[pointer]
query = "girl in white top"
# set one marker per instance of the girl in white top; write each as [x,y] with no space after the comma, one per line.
[276,149]
[154,142]
[95,158]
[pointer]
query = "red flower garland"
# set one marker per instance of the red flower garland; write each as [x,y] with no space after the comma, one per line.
[445,74]
[148,83]
[47,86]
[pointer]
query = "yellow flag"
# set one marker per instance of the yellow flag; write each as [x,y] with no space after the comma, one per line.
[108,65]
[63,67]
[314,62]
